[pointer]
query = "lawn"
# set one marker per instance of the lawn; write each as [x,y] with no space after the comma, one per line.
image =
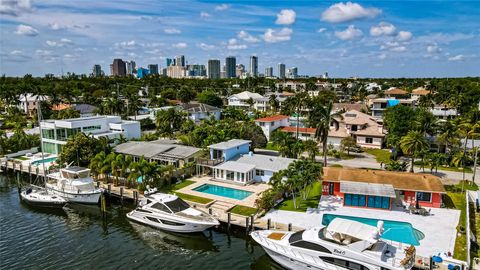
[382,156]
[22,158]
[243,210]
[455,169]
[271,146]
[193,198]
[310,202]
[335,166]
[171,188]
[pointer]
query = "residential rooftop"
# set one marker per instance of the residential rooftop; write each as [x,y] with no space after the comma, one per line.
[229,144]
[300,129]
[272,118]
[156,149]
[264,162]
[235,166]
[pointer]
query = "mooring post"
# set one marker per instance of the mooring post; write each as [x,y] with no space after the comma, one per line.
[103,205]
[98,184]
[289,227]
[252,223]
[121,195]
[246,224]
[109,189]
[210,211]
[268,223]
[229,219]
[135,196]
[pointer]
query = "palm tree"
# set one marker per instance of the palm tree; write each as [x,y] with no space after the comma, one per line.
[96,164]
[468,129]
[117,165]
[273,102]
[283,140]
[311,147]
[413,143]
[320,118]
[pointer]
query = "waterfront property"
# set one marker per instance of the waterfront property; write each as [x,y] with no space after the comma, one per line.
[160,151]
[55,133]
[240,100]
[199,111]
[382,189]
[272,123]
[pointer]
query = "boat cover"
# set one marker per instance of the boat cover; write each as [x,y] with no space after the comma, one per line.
[354,229]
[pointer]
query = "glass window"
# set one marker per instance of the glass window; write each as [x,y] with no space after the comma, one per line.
[424,196]
[230,175]
[309,245]
[378,202]
[160,207]
[354,200]
[171,223]
[368,140]
[259,172]
[177,205]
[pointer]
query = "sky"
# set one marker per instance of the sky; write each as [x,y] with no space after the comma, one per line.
[360,38]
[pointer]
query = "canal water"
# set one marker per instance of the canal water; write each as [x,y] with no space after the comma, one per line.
[79,238]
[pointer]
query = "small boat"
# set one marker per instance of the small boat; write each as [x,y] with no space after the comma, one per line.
[40,197]
[171,213]
[343,244]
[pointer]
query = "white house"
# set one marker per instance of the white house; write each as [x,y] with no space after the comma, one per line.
[241,99]
[29,102]
[199,111]
[272,123]
[55,133]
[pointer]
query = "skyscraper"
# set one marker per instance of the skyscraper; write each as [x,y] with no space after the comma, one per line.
[131,67]
[230,66]
[213,69]
[180,60]
[196,70]
[118,67]
[97,71]
[292,73]
[253,66]
[170,62]
[281,71]
[153,69]
[269,72]
[240,71]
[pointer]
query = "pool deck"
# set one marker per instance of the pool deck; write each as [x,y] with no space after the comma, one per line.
[439,228]
[249,201]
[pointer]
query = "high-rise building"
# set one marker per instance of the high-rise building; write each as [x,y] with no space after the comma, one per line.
[196,70]
[281,71]
[131,67]
[170,62]
[180,60]
[164,72]
[269,72]
[153,69]
[97,71]
[240,70]
[253,66]
[230,66]
[176,71]
[118,67]
[213,69]
[142,72]
[292,73]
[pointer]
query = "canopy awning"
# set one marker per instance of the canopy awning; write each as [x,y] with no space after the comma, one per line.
[383,190]
[354,229]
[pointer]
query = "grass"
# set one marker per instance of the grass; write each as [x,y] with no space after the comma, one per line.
[193,198]
[171,188]
[455,169]
[22,158]
[310,202]
[243,210]
[381,155]
[271,146]
[335,166]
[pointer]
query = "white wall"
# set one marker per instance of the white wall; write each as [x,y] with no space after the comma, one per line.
[377,142]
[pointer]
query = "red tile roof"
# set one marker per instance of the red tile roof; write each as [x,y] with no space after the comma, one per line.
[59,107]
[395,91]
[300,129]
[272,118]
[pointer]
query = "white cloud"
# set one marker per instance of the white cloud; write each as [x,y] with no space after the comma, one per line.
[382,28]
[206,47]
[343,12]
[398,49]
[245,36]
[286,17]
[273,36]
[180,45]
[350,33]
[222,7]
[433,48]
[321,30]
[172,31]
[126,45]
[15,7]
[26,30]
[404,36]
[204,15]
[458,57]
[56,26]
[16,52]
[61,43]
[382,56]
[233,45]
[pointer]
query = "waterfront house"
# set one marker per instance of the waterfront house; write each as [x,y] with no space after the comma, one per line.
[227,150]
[55,133]
[303,132]
[29,102]
[240,100]
[395,93]
[199,111]
[382,189]
[272,123]
[379,105]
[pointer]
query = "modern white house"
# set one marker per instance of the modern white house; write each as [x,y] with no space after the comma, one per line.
[272,123]
[29,102]
[199,111]
[55,133]
[241,99]
[379,105]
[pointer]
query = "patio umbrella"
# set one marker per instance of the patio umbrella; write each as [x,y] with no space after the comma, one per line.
[437,259]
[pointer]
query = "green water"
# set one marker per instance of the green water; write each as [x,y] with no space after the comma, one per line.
[79,238]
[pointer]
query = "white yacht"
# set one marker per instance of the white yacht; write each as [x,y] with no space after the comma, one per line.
[343,244]
[170,213]
[74,184]
[36,196]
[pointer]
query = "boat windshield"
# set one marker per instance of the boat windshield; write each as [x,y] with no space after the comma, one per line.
[177,205]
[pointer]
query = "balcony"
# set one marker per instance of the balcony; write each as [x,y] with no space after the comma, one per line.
[209,162]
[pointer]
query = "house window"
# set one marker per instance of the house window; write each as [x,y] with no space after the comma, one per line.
[368,140]
[273,124]
[354,127]
[383,105]
[230,175]
[424,197]
[259,172]
[355,200]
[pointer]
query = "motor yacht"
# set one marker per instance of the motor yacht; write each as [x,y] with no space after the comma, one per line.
[39,197]
[74,184]
[171,213]
[343,244]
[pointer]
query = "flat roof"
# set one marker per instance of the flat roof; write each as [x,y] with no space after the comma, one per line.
[272,118]
[229,144]
[235,166]
[384,190]
[399,180]
[300,129]
[156,150]
[264,162]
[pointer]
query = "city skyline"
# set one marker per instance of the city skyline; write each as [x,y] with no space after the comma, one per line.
[366,39]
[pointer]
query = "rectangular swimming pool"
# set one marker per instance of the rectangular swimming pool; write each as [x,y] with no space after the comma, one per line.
[227,192]
[46,160]
[397,231]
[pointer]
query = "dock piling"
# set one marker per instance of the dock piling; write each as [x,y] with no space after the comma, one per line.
[246,224]
[252,223]
[269,221]
[289,227]
[109,189]
[135,197]
[121,195]
[229,219]
[210,211]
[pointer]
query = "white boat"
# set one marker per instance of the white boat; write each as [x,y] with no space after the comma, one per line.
[343,244]
[74,184]
[171,213]
[39,197]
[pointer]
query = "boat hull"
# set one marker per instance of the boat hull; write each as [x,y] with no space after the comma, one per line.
[41,203]
[292,264]
[81,198]
[184,228]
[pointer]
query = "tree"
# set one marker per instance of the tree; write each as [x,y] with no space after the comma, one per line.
[396,166]
[169,121]
[273,102]
[300,175]
[347,143]
[312,149]
[398,120]
[68,114]
[412,143]
[210,98]
[79,149]
[283,141]
[185,94]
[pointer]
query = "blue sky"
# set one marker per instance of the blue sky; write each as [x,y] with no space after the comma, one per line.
[361,38]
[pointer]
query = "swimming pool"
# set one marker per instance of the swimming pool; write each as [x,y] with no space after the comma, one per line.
[45,160]
[393,230]
[231,193]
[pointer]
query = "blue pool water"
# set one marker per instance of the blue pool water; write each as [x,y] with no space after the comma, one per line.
[393,230]
[45,160]
[231,193]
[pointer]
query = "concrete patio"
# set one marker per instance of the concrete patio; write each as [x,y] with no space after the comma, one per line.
[439,228]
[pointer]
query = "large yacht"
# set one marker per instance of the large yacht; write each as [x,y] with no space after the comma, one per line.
[343,244]
[74,184]
[170,213]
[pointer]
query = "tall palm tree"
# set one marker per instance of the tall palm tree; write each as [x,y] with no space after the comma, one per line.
[283,140]
[273,102]
[413,143]
[117,165]
[311,147]
[96,164]
[320,118]
[468,129]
